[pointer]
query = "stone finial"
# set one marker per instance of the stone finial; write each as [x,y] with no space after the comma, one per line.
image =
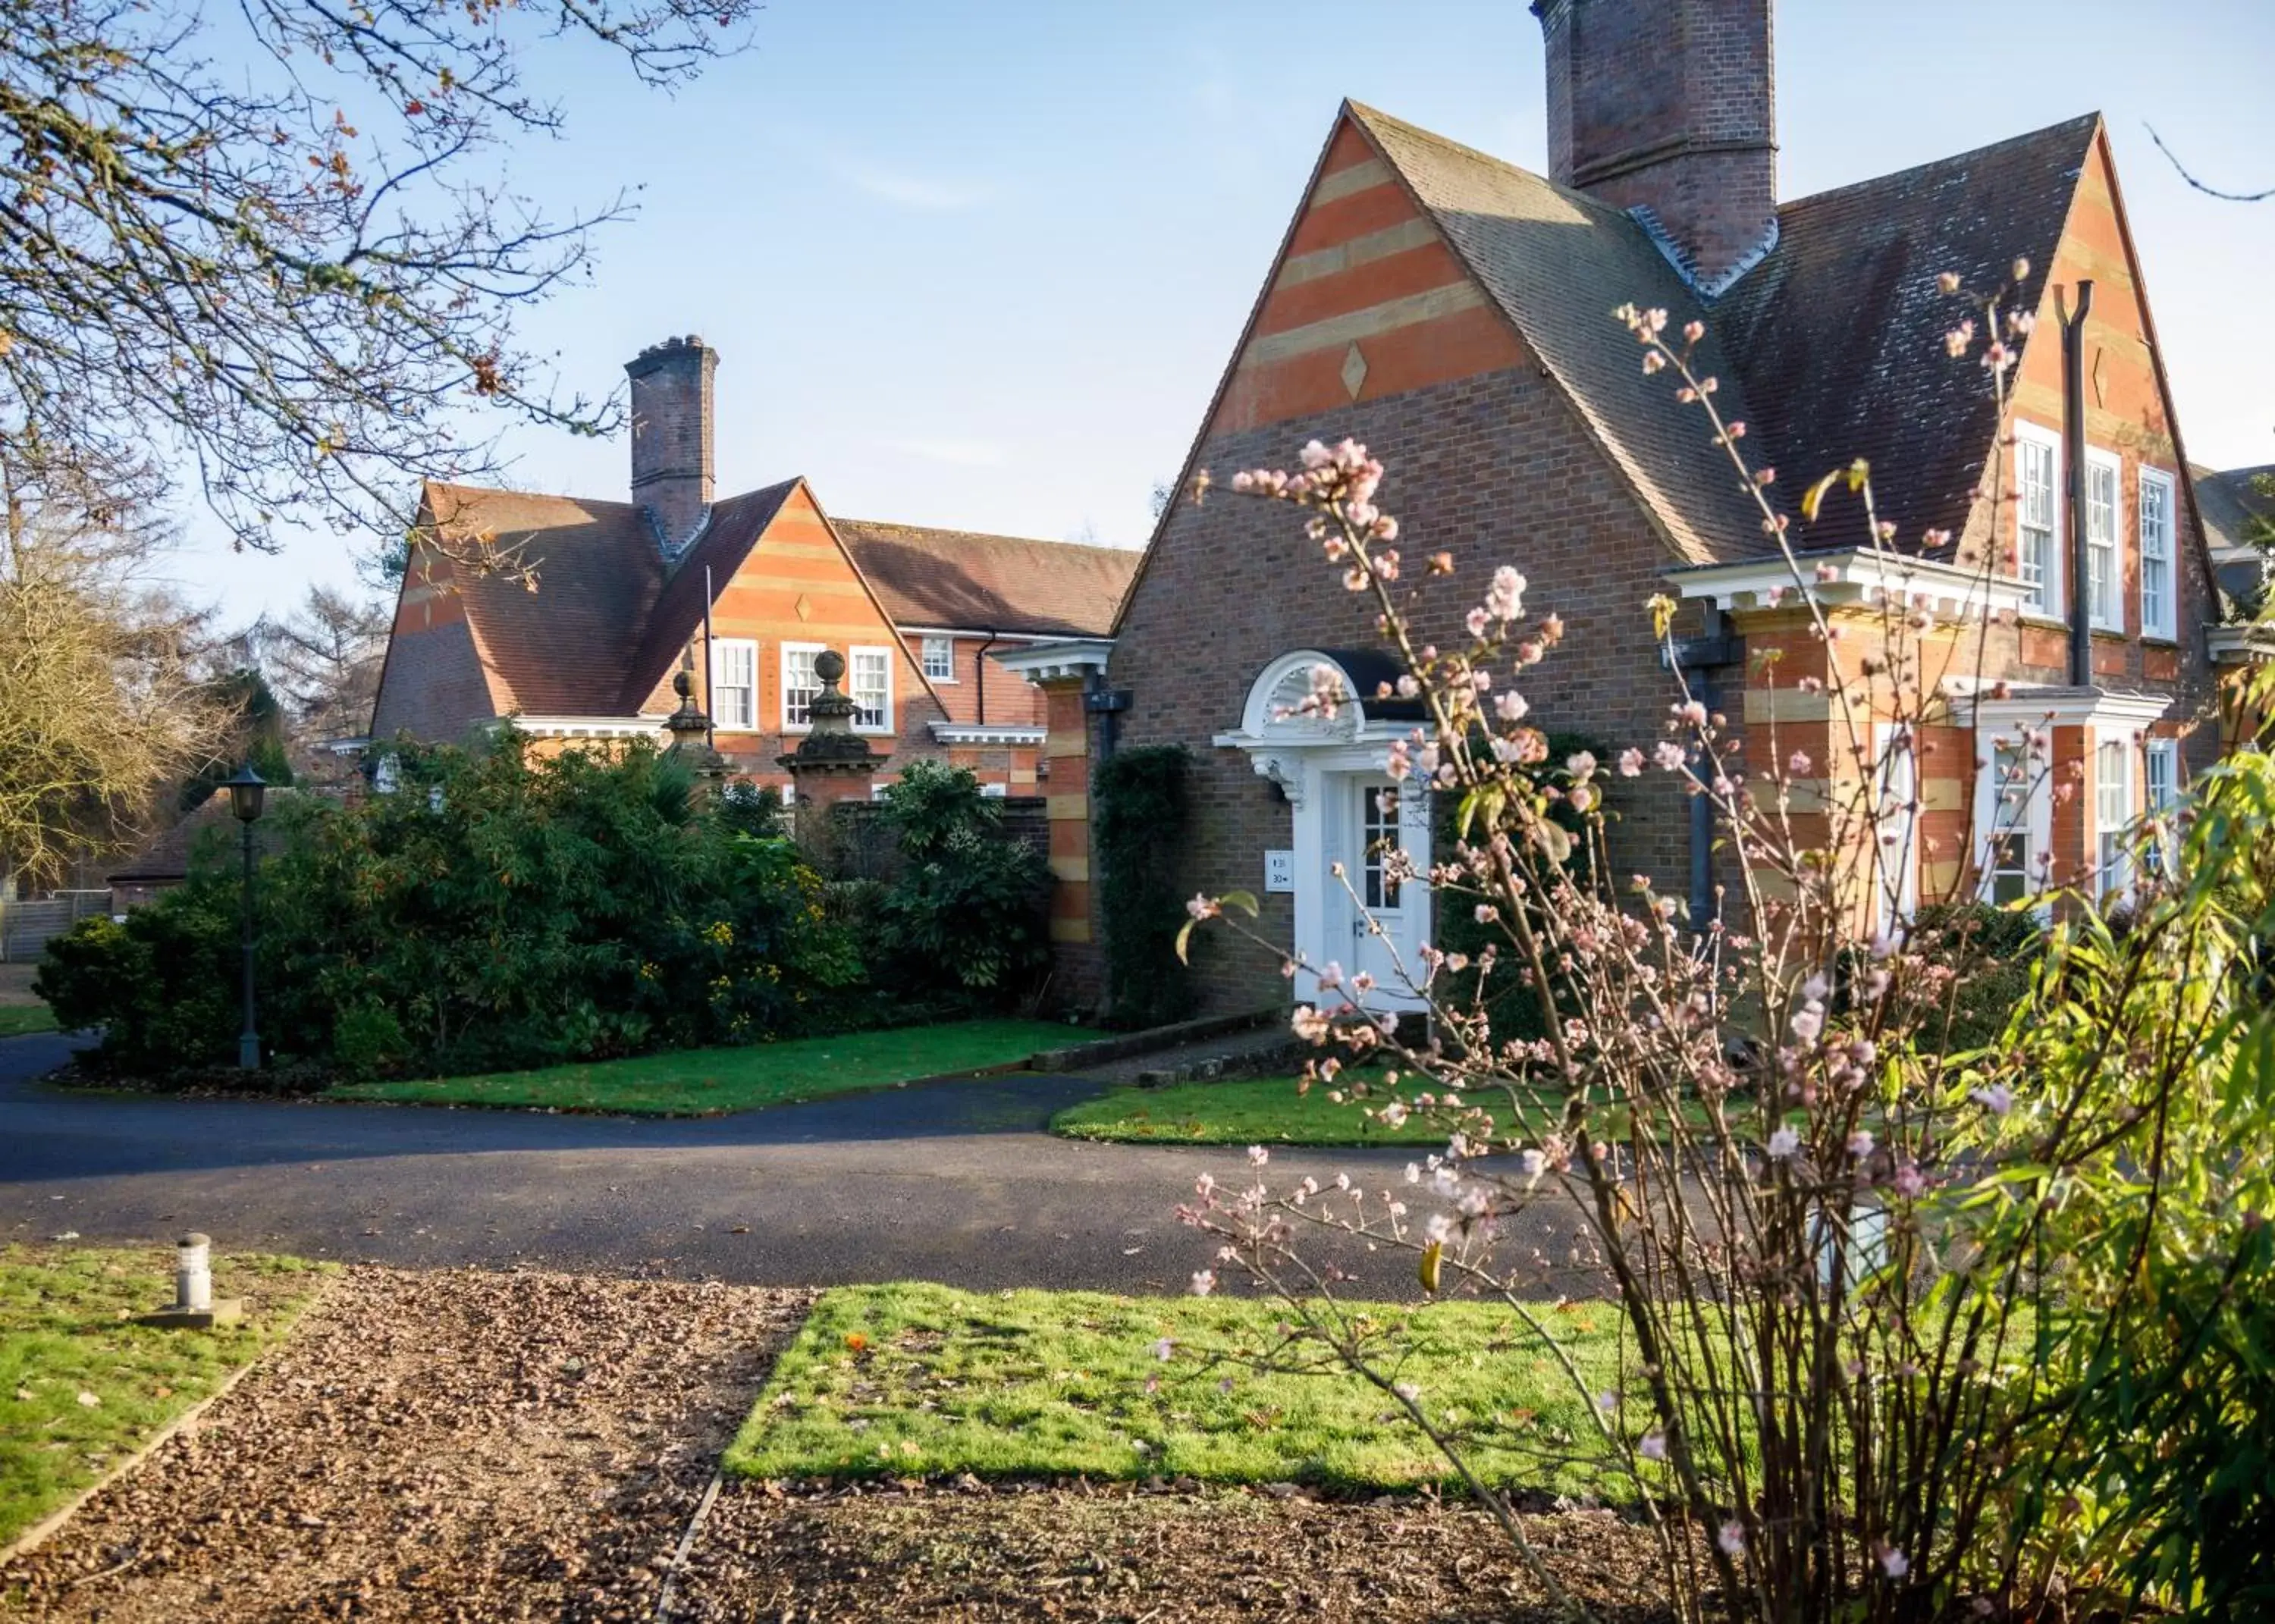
[830,743]
[690,727]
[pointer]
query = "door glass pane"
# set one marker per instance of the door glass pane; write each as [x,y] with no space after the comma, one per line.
[1378,830]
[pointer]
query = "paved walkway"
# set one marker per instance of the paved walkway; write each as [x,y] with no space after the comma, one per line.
[949,1181]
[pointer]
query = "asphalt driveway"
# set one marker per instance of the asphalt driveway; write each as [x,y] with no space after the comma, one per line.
[954,1181]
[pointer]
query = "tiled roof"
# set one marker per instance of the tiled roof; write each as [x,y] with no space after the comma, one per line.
[560,645]
[166,855]
[733,528]
[1838,332]
[2229,500]
[1557,262]
[957,580]
[606,620]
[1828,348]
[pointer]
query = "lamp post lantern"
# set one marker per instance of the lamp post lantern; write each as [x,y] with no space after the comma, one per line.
[246,792]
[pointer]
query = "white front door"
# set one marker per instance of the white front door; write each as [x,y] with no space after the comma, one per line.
[1379,923]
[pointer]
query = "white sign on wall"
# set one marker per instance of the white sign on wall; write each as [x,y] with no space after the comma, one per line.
[1279,870]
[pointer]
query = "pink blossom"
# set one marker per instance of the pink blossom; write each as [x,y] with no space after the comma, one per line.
[1580,763]
[1478,620]
[1894,1562]
[1309,1025]
[1506,598]
[1582,796]
[1163,1349]
[1693,331]
[1732,1539]
[1997,1099]
[1807,1023]
[1511,706]
[1784,1144]
[1203,908]
[1652,1447]
[1393,1115]
[1799,764]
[1630,764]
[1669,755]
[1331,977]
[1204,1281]
[1911,1184]
[1955,341]
[1257,1155]
[1690,711]
[1861,1142]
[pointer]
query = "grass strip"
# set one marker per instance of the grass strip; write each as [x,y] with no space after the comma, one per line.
[710,1082]
[914,1379]
[82,1387]
[19,1020]
[1244,1111]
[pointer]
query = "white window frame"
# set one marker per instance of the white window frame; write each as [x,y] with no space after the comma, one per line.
[884,657]
[789,655]
[745,719]
[2112,866]
[2160,757]
[2158,546]
[2105,599]
[2025,808]
[2048,597]
[995,792]
[945,647]
[1896,866]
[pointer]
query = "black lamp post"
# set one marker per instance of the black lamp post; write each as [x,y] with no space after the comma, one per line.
[246,792]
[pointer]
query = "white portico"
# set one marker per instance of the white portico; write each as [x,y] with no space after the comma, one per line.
[1344,810]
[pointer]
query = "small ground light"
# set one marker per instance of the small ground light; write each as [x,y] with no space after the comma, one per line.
[194,1306]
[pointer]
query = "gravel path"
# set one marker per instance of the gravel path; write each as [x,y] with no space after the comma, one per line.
[456,1445]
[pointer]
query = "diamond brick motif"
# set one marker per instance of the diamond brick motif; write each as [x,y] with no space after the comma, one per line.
[804,607]
[1354,373]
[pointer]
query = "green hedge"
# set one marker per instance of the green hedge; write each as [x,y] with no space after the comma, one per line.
[502,911]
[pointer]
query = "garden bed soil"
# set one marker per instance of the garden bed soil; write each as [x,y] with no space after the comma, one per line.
[975,1553]
[461,1445]
[490,1446]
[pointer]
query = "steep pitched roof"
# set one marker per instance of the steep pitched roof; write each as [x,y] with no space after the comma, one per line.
[956,578]
[1836,331]
[2229,500]
[558,646]
[732,531]
[1556,261]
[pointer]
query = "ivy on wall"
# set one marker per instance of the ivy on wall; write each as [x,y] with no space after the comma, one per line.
[1141,807]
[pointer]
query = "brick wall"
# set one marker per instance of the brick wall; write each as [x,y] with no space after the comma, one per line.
[1495,468]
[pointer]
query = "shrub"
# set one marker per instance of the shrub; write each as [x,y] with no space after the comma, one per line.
[970,908]
[1991,951]
[498,910]
[1140,806]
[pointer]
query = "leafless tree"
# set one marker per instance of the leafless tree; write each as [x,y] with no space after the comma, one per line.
[272,238]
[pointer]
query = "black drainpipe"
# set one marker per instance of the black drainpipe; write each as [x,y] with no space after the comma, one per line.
[979,673]
[2081,610]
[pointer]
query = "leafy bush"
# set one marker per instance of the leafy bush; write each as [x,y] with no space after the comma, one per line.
[498,910]
[1991,951]
[970,908]
[1140,808]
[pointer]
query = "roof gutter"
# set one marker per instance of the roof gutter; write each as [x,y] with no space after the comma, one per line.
[2081,606]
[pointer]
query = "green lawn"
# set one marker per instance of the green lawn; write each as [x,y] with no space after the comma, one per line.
[18,1019]
[1242,1111]
[910,1379]
[80,1386]
[706,1082]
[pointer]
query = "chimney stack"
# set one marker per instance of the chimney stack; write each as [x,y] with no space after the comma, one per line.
[672,437]
[1669,106]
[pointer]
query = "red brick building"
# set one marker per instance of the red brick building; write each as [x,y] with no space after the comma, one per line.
[757,583]
[1452,312]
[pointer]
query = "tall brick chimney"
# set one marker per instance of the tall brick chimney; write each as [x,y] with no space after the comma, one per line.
[1669,106]
[672,437]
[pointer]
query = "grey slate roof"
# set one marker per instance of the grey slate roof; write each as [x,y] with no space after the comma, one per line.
[1828,349]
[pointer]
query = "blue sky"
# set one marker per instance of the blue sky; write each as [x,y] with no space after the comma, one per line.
[981,264]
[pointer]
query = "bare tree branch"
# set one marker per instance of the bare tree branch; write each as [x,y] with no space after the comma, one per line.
[2226,197]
